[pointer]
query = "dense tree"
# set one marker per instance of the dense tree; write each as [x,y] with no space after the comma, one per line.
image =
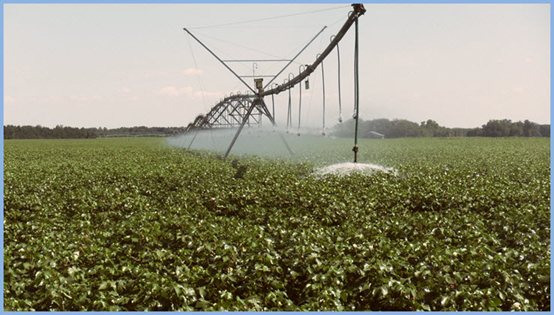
[497,128]
[396,128]
[531,129]
[40,132]
[140,131]
[507,128]
[475,132]
[400,128]
[61,132]
[431,128]
[544,130]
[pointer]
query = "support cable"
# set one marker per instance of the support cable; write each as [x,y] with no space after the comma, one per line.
[202,93]
[221,61]
[267,18]
[298,54]
[255,60]
[238,45]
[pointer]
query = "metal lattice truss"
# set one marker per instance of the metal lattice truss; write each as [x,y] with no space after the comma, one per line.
[230,112]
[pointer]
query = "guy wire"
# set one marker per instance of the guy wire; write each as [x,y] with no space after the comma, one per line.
[268,18]
[202,93]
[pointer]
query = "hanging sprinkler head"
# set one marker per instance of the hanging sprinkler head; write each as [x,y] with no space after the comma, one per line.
[355,149]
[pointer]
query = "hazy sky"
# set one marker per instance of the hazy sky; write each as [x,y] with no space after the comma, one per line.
[113,65]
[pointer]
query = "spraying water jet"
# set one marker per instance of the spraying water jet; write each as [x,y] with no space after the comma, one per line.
[349,168]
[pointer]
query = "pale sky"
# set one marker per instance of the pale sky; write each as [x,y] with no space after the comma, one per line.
[115,65]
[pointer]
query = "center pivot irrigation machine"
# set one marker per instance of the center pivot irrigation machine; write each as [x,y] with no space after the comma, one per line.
[241,109]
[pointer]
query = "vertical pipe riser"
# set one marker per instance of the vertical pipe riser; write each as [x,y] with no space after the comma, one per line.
[357,93]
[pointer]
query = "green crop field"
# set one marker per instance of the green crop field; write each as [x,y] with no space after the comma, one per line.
[136,224]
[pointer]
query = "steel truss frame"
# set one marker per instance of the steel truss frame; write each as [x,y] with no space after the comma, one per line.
[230,112]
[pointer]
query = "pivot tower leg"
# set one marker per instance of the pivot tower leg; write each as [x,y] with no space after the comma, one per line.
[257,102]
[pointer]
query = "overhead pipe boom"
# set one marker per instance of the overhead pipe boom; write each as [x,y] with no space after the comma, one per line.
[359,10]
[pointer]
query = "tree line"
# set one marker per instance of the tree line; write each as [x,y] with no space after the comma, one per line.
[61,132]
[40,132]
[396,128]
[139,131]
[401,128]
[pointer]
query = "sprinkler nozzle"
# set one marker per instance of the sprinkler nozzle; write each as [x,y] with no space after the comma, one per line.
[355,148]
